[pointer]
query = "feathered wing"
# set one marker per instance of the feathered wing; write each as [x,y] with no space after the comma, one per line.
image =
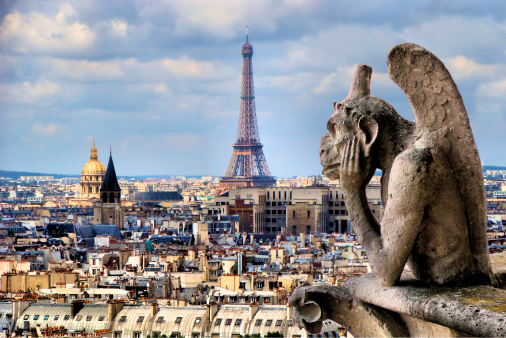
[439,110]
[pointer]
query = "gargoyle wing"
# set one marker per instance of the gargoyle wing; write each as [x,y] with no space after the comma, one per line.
[440,112]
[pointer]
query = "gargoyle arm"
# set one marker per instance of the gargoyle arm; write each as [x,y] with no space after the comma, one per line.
[389,249]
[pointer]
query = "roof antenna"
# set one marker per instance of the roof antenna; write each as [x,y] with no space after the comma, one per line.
[247,28]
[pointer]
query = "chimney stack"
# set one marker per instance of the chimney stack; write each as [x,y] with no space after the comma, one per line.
[75,307]
[114,308]
[154,308]
[253,308]
[213,309]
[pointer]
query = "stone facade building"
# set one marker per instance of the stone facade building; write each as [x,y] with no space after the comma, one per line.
[319,209]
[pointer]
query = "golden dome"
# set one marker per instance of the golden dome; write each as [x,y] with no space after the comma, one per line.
[93,166]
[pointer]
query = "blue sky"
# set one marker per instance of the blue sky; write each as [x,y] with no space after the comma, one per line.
[159,81]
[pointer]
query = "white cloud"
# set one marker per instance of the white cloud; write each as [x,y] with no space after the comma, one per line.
[461,67]
[132,70]
[119,27]
[47,130]
[28,92]
[37,32]
[188,67]
[83,70]
[494,89]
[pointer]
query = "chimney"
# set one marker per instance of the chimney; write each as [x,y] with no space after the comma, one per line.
[253,308]
[114,308]
[75,307]
[252,282]
[62,299]
[288,312]
[154,308]
[302,240]
[213,309]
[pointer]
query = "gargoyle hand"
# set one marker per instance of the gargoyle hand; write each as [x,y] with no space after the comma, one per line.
[306,313]
[355,167]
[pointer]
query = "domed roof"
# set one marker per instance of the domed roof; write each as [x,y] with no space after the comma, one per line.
[93,166]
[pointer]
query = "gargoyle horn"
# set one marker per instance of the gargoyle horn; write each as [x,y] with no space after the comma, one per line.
[361,85]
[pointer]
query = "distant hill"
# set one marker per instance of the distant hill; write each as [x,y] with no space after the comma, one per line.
[17,174]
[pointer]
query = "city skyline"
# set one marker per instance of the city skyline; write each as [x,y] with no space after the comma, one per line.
[160,82]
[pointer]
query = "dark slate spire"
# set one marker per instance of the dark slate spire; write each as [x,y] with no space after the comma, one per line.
[110,182]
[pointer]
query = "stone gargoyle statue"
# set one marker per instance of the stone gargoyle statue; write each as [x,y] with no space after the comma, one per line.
[432,192]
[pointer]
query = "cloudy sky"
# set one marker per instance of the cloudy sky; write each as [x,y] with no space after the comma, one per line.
[159,81]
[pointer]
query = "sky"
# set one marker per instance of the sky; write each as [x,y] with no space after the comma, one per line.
[158,82]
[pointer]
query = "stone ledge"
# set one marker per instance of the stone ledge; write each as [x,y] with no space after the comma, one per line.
[473,310]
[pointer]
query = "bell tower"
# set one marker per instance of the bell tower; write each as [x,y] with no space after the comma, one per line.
[108,210]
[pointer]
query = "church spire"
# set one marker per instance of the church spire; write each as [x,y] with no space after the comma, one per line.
[110,182]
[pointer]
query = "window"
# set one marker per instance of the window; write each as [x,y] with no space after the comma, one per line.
[101,318]
[78,318]
[198,320]
[285,195]
[159,320]
[308,214]
[268,196]
[140,319]
[268,322]
[36,317]
[178,320]
[122,319]
[56,317]
[137,335]
[117,334]
[67,317]
[258,322]
[293,214]
[218,321]
[268,204]
[280,195]
[279,322]
[228,321]
[88,318]
[46,317]
[195,335]
[238,322]
[280,204]
[26,317]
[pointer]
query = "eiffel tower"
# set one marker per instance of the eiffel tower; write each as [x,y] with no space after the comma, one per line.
[247,166]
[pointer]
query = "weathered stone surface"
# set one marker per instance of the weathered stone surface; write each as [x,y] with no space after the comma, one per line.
[366,308]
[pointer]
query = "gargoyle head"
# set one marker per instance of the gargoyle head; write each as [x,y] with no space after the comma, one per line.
[343,126]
